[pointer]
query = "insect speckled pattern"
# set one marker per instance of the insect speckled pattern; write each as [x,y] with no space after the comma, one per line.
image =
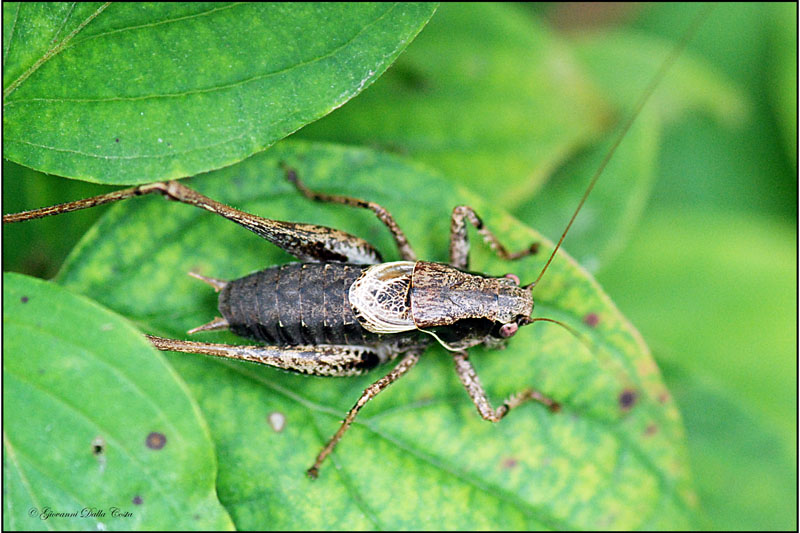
[342,311]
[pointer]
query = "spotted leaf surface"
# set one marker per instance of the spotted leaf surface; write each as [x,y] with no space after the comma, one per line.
[418,456]
[98,431]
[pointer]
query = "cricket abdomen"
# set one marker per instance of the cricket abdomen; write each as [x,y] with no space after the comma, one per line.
[296,304]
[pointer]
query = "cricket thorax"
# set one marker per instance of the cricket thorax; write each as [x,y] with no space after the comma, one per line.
[442,295]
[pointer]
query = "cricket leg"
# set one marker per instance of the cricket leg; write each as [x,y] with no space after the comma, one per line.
[459,241]
[320,360]
[370,392]
[383,215]
[102,199]
[307,242]
[469,378]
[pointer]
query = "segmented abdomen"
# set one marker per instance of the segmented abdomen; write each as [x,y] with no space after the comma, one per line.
[296,304]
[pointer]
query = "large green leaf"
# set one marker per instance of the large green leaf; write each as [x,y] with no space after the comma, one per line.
[94,419]
[131,93]
[614,457]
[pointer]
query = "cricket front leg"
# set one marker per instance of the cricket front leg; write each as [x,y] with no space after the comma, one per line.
[370,392]
[459,241]
[469,378]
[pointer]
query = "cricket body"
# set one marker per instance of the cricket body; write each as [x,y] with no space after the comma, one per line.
[342,311]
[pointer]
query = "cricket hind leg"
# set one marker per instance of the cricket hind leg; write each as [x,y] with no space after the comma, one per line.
[306,242]
[322,360]
[469,378]
[405,364]
[400,239]
[459,241]
[317,360]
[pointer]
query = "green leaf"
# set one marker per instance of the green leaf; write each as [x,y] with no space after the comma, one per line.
[134,93]
[487,94]
[419,451]
[87,405]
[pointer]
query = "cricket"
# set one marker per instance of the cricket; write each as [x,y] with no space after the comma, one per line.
[342,311]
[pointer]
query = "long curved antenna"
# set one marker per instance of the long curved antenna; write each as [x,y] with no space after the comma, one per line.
[648,92]
[575,334]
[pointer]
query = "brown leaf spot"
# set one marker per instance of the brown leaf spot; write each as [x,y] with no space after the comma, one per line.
[509,463]
[98,450]
[24,299]
[627,399]
[591,319]
[663,397]
[137,500]
[98,445]
[156,441]
[650,430]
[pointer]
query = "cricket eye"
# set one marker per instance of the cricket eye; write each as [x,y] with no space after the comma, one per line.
[507,330]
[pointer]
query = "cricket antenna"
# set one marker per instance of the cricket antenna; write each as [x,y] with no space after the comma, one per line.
[648,92]
[574,332]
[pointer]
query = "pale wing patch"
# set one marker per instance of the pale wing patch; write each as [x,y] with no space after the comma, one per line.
[379,297]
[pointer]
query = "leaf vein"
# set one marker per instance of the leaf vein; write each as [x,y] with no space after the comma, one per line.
[52,52]
[13,29]
[11,453]
[158,23]
[64,22]
[129,157]
[216,88]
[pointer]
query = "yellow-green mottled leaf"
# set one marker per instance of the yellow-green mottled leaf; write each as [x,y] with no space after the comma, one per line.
[137,92]
[418,456]
[95,420]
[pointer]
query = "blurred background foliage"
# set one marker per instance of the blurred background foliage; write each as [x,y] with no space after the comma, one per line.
[698,249]
[709,275]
